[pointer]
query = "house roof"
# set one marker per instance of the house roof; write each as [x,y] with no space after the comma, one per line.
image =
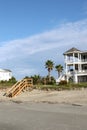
[73,49]
[5,70]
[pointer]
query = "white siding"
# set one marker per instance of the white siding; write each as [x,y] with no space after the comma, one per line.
[5,74]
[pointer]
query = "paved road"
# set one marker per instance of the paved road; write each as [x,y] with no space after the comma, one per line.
[42,116]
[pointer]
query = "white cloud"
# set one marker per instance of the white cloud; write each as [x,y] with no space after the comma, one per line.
[16,54]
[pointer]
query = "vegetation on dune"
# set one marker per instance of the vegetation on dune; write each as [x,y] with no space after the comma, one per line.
[6,84]
[67,86]
[43,83]
[39,80]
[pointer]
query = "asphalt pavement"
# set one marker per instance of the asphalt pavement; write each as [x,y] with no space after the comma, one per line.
[42,116]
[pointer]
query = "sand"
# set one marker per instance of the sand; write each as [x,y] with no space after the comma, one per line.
[76,97]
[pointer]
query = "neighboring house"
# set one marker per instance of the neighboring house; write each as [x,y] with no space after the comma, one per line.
[75,65]
[5,74]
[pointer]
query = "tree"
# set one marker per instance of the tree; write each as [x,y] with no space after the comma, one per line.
[49,65]
[59,69]
[45,80]
[12,80]
[36,79]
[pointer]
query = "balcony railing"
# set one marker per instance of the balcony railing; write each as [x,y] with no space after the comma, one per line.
[80,72]
[71,73]
[75,61]
[83,60]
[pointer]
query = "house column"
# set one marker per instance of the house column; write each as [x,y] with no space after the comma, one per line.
[78,57]
[80,63]
[66,67]
[73,57]
[65,59]
[75,78]
[73,61]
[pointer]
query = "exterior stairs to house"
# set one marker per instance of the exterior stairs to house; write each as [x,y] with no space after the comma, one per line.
[24,84]
[62,77]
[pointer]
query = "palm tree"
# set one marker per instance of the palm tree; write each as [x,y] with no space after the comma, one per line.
[49,65]
[59,69]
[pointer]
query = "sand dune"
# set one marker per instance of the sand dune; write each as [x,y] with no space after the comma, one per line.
[78,97]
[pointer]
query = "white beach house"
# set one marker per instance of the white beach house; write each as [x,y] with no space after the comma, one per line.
[75,65]
[5,74]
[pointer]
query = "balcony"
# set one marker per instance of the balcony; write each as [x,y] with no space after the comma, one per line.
[80,72]
[83,60]
[72,61]
[76,61]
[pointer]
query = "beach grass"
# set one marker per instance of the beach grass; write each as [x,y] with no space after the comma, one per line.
[68,86]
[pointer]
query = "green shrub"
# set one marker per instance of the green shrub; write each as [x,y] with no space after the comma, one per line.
[12,80]
[45,80]
[63,82]
[6,84]
[63,86]
[48,87]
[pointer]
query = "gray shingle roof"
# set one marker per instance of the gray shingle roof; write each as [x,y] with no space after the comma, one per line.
[5,70]
[73,49]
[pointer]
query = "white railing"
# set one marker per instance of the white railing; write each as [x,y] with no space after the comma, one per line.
[75,61]
[71,73]
[62,77]
[83,60]
[80,72]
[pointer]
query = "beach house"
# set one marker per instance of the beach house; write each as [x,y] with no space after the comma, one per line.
[75,65]
[5,74]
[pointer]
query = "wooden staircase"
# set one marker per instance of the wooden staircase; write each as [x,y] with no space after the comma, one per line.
[17,88]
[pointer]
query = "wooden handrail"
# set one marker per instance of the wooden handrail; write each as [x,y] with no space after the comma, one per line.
[19,86]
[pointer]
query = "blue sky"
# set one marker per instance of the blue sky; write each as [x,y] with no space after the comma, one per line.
[33,31]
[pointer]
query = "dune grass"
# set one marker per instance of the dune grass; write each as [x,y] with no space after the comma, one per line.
[68,86]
